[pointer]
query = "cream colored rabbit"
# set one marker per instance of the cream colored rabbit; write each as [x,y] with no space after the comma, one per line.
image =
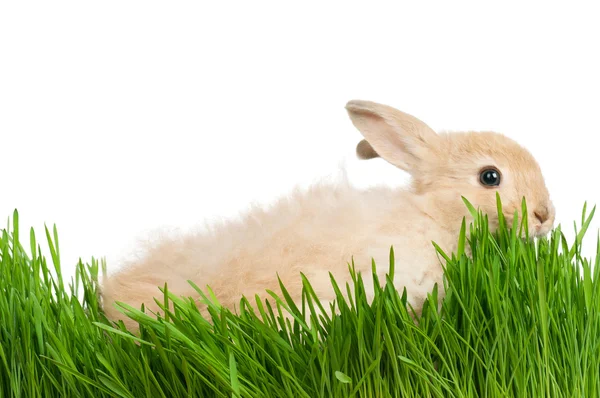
[321,229]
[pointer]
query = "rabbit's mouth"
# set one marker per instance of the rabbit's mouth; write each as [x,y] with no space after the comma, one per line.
[542,229]
[536,230]
[542,226]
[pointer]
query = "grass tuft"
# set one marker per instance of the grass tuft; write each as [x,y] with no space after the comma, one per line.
[521,317]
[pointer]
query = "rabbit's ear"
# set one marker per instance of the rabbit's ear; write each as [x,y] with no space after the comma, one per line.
[399,138]
[364,150]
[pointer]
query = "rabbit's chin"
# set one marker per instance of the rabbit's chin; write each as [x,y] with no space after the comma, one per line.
[540,231]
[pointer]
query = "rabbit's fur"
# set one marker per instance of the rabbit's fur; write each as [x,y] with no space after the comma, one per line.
[321,229]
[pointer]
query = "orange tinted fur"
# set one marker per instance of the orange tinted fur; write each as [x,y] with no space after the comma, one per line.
[320,230]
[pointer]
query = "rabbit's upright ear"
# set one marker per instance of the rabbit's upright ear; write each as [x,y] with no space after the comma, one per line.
[399,138]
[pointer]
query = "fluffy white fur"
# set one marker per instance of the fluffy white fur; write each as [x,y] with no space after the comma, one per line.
[320,230]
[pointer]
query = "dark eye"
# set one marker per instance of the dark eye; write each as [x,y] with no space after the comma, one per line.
[489,177]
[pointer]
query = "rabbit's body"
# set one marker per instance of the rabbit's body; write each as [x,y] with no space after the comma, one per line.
[315,232]
[320,230]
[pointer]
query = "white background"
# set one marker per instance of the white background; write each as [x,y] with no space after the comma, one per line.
[119,118]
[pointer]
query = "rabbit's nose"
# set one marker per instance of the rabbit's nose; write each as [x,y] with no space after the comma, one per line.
[542,214]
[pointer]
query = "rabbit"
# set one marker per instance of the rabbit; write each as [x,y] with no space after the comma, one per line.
[321,229]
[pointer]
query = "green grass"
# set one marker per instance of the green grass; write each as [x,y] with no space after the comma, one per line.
[521,318]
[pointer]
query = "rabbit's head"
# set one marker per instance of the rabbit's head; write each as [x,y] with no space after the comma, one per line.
[446,166]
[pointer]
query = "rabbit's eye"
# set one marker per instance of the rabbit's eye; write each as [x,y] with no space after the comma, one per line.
[490,177]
